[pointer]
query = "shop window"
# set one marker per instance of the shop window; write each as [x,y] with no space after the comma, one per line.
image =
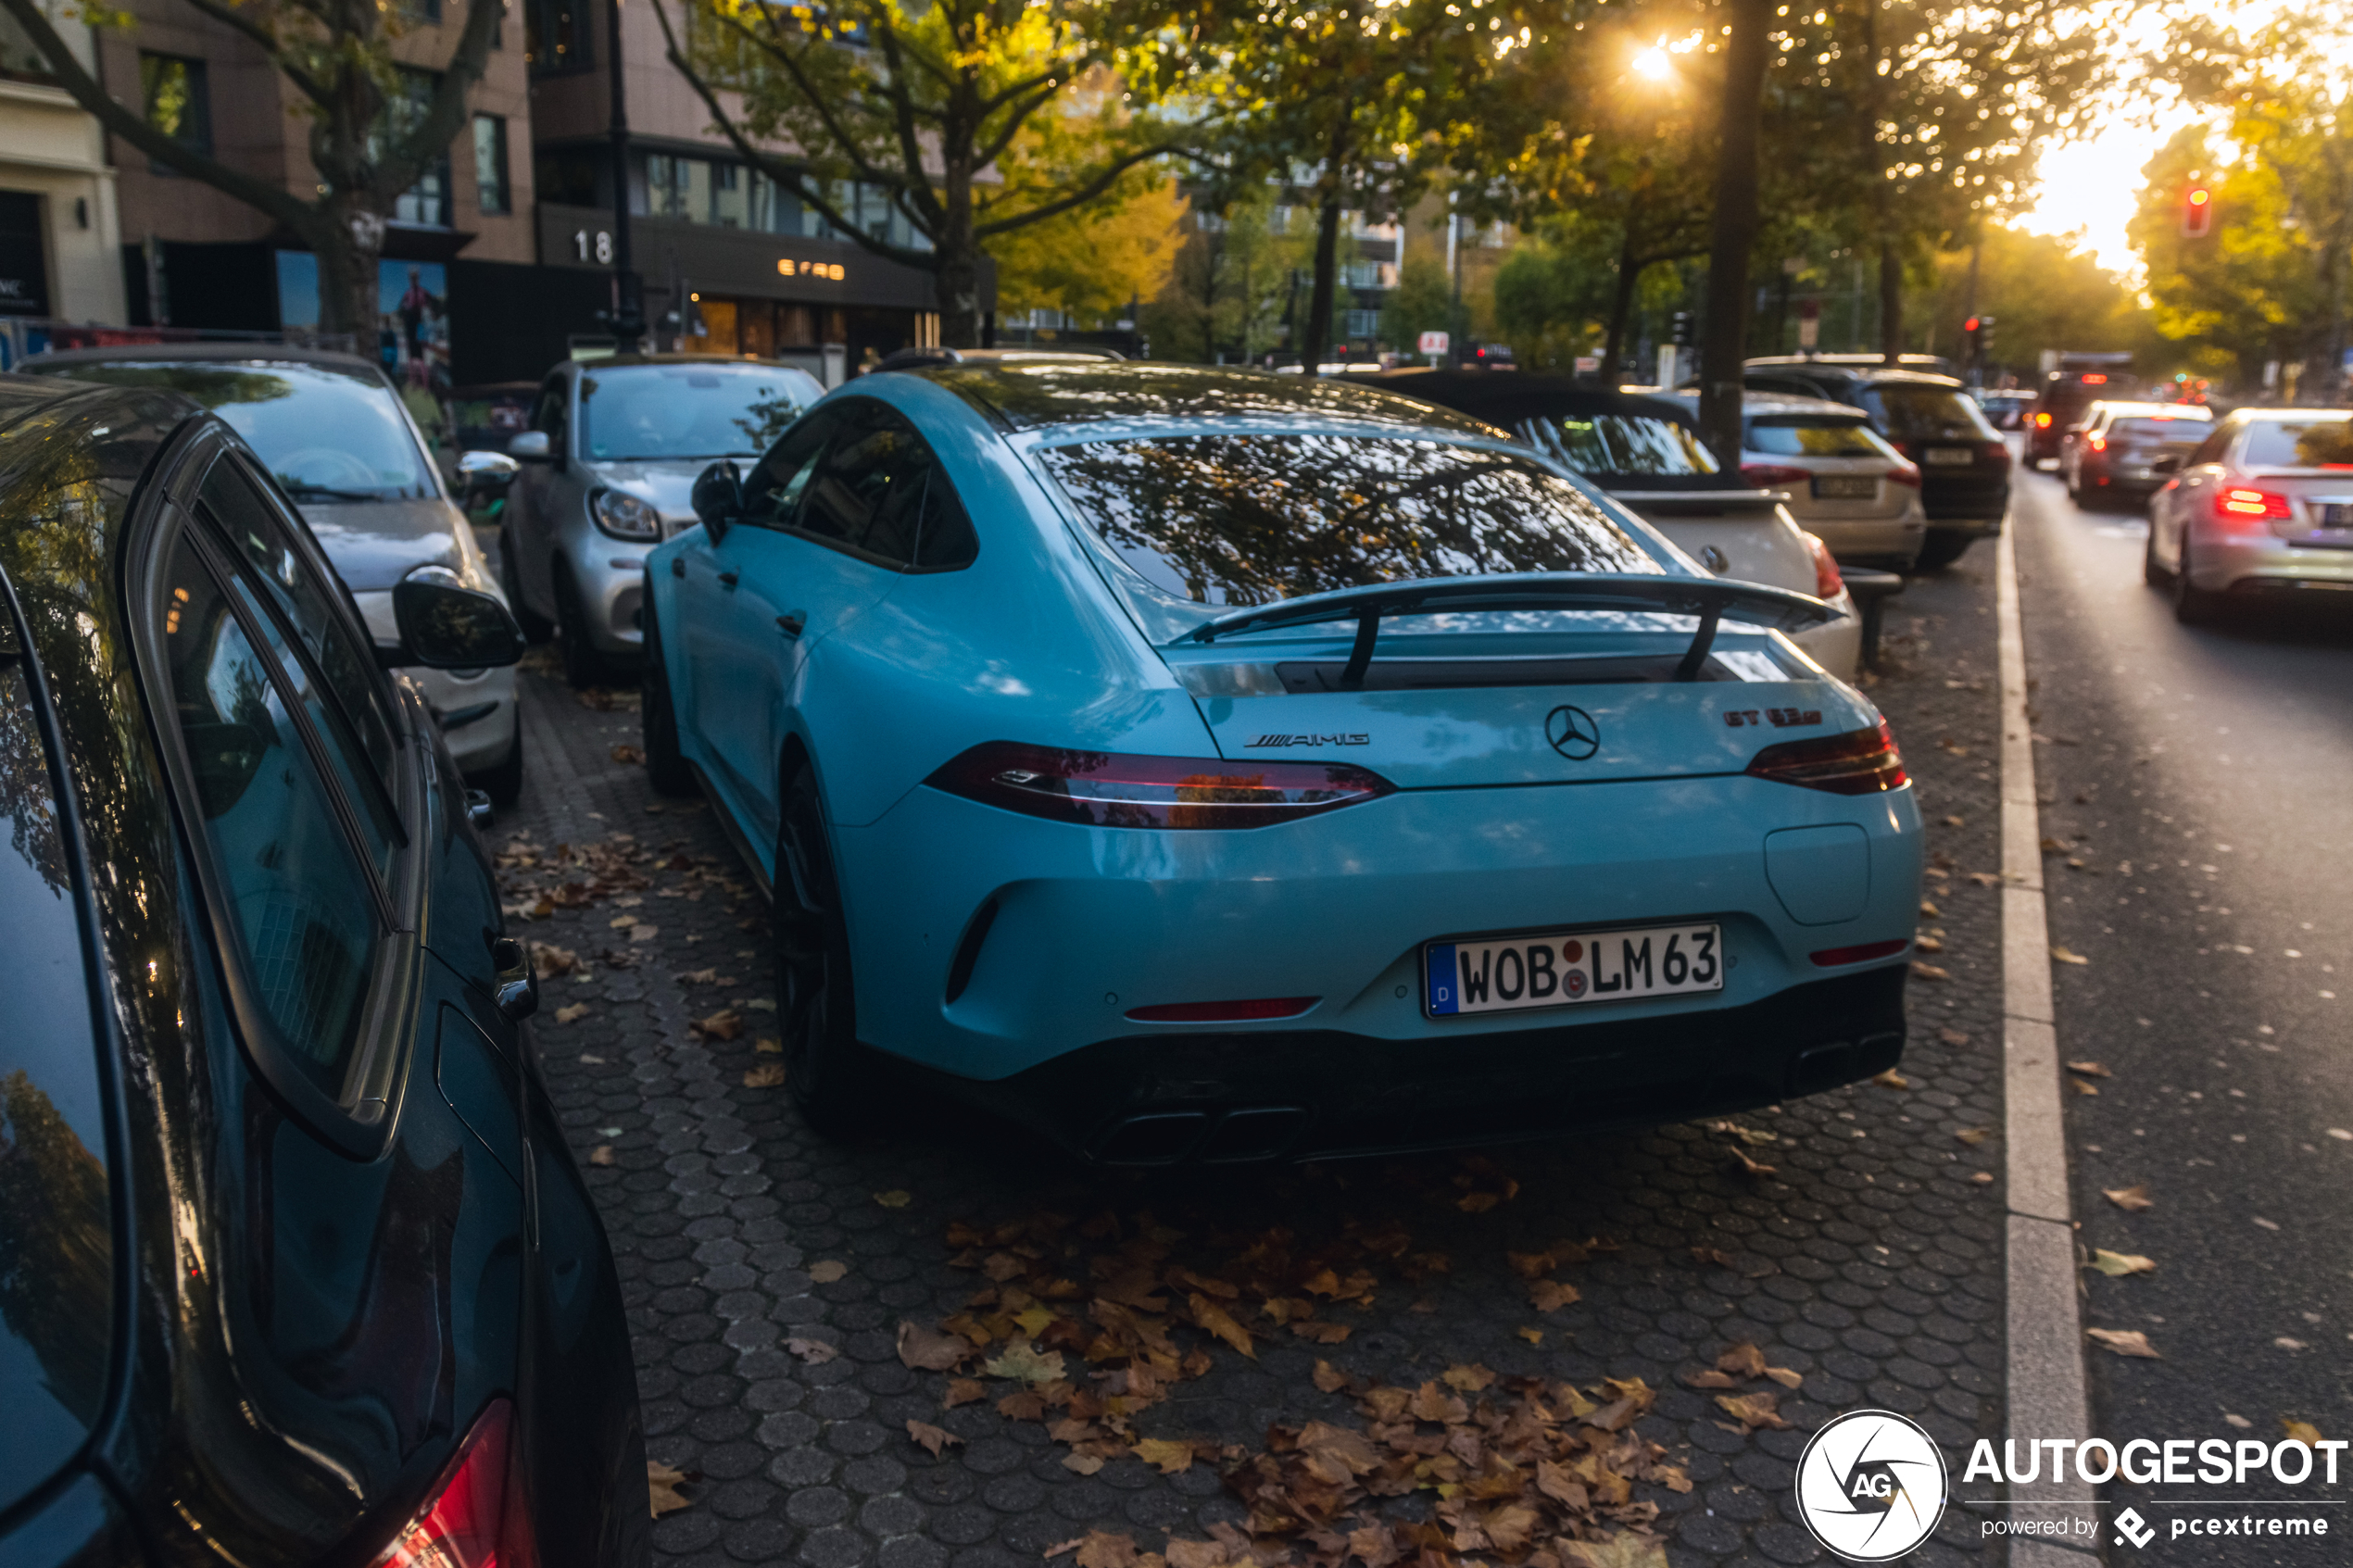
[178,101]
[490,164]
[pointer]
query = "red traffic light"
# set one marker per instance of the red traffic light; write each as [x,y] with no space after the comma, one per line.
[2200,196]
[1970,325]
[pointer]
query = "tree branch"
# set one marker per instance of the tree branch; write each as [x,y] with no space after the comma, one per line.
[910,148]
[1102,180]
[816,100]
[432,135]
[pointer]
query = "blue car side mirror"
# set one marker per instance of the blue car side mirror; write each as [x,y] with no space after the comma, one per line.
[718,497]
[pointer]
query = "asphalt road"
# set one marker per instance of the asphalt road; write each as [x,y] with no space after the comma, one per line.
[2194,776]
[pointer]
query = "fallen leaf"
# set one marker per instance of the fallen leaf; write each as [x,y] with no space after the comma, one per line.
[815,1352]
[662,1487]
[767,1075]
[2090,1069]
[1197,1554]
[1925,944]
[2302,1432]
[1322,1333]
[1891,1079]
[2066,957]
[928,1349]
[696,976]
[1929,971]
[574,1013]
[2116,1265]
[1931,909]
[768,1048]
[1785,1376]
[2133,1199]
[1551,1295]
[1974,1135]
[895,1198]
[1983,1178]
[1953,822]
[933,1439]
[622,923]
[628,754]
[2083,1089]
[1953,1037]
[643,933]
[1744,1359]
[1023,1362]
[1100,1549]
[1467,1379]
[828,1272]
[1329,1378]
[2284,1343]
[1714,1257]
[1478,1202]
[1084,1464]
[1533,1335]
[1217,1321]
[965,1391]
[1165,1454]
[1624,1550]
[1752,1411]
[2124,1342]
[550,961]
[601,1155]
[725,1024]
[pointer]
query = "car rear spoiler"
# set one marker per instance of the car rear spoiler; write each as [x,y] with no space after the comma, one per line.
[1711,600]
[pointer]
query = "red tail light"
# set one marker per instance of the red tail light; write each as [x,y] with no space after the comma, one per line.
[1831,957]
[1224,1012]
[1827,585]
[1765,475]
[2096,443]
[1102,790]
[2042,422]
[1904,473]
[1858,762]
[2267,506]
[471,1520]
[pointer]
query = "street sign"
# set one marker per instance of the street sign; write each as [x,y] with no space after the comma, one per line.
[1809,323]
[1435,343]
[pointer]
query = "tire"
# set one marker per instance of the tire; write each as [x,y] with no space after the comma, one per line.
[1942,548]
[503,782]
[831,1077]
[666,768]
[2151,574]
[2192,605]
[537,628]
[584,666]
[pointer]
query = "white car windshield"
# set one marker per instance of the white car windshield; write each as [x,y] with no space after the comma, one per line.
[656,412]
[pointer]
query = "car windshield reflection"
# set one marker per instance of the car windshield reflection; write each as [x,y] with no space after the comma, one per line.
[663,413]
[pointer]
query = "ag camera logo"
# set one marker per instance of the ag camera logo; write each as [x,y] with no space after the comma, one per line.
[1871,1486]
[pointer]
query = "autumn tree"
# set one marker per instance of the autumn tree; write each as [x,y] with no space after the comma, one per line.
[944,107]
[1091,261]
[379,118]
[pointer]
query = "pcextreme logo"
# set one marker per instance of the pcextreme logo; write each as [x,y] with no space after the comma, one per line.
[1870,1485]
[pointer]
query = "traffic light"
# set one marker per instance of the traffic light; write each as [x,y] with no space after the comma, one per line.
[2197,213]
[1683,330]
[1985,336]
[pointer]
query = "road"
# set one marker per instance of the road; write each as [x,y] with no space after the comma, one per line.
[2192,776]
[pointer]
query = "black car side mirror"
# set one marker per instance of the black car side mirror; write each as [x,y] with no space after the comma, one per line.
[2166,465]
[718,498]
[446,625]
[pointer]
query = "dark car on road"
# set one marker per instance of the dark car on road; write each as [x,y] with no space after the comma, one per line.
[295,1266]
[2065,394]
[1964,462]
[2119,453]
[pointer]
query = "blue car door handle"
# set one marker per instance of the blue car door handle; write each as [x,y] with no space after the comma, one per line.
[791,625]
[729,579]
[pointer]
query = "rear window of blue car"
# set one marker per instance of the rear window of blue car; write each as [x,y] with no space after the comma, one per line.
[1249,519]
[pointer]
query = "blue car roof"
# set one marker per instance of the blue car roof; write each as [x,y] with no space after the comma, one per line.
[1043,396]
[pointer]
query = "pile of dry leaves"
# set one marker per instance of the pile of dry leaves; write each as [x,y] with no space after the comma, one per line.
[536,882]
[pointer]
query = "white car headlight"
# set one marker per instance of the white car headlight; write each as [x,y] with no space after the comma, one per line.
[625,515]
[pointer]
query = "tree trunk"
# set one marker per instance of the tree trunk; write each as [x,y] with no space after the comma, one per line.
[1630,272]
[349,245]
[1725,344]
[1891,302]
[956,264]
[1316,336]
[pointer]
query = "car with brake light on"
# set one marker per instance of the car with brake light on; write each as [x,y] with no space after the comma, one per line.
[339,441]
[2260,512]
[1645,454]
[1273,767]
[2114,454]
[2080,380]
[294,1264]
[613,451]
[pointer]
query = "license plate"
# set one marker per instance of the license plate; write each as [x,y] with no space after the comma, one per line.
[1845,487]
[1564,968]
[2337,514]
[1949,456]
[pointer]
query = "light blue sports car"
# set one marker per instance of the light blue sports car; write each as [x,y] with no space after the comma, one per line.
[1204,764]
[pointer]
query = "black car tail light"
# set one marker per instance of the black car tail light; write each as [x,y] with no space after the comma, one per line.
[473,1519]
[1104,789]
[1858,762]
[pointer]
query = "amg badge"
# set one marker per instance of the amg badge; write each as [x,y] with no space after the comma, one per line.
[1308,740]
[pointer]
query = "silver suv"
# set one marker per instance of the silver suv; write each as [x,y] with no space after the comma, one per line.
[607,468]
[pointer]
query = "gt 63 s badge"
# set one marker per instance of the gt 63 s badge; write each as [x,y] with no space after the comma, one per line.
[1870,1485]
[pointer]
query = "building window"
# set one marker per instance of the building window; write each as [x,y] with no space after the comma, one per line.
[177,102]
[1363,324]
[555,36]
[573,177]
[490,163]
[426,202]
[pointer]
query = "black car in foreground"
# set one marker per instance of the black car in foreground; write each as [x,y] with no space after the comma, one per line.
[1964,461]
[294,1267]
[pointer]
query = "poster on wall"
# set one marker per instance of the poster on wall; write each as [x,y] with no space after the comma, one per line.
[412,316]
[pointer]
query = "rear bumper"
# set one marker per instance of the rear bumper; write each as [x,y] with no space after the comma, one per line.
[2241,566]
[1306,1094]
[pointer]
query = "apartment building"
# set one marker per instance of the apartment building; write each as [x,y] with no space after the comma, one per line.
[59,229]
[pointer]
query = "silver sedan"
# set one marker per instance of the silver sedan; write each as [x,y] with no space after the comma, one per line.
[607,466]
[2263,508]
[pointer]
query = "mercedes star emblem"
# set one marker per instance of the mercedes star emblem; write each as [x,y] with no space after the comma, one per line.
[1573,733]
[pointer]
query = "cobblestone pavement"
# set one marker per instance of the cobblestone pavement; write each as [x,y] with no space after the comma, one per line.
[1868,1260]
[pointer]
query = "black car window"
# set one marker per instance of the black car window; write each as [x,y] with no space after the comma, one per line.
[2211,450]
[298,898]
[2317,442]
[879,490]
[774,489]
[57,1235]
[264,537]
[1243,520]
[1909,412]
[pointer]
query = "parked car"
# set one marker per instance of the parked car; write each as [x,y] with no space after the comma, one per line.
[613,447]
[1841,479]
[2261,509]
[294,1267]
[2063,395]
[1273,766]
[335,436]
[2112,456]
[1931,420]
[1645,454]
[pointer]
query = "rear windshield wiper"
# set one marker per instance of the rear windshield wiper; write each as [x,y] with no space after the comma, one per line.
[1709,598]
[300,492]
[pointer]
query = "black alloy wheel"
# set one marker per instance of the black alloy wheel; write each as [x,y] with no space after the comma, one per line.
[666,767]
[584,666]
[1942,548]
[537,628]
[830,1077]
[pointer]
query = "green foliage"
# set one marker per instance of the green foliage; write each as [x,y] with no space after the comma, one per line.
[1234,285]
[1423,301]
[2043,294]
